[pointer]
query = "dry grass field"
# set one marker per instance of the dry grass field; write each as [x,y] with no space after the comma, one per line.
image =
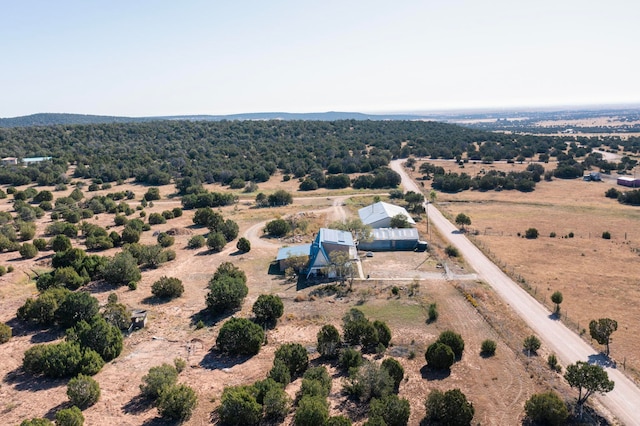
[497,386]
[598,277]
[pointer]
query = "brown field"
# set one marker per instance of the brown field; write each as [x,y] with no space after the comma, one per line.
[598,277]
[497,386]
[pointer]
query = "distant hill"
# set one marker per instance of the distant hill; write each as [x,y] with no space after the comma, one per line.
[50,119]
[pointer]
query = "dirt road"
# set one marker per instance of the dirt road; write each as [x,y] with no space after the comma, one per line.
[623,402]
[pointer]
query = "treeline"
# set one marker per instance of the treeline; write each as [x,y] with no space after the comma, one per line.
[524,181]
[192,153]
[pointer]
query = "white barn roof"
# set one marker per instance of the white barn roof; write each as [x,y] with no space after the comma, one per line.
[381,211]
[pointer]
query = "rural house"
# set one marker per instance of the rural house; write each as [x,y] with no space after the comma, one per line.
[379,215]
[327,241]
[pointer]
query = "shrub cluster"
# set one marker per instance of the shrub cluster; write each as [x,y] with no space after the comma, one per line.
[227,289]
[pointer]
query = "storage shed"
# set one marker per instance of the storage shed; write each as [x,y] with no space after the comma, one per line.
[629,181]
[391,239]
[379,215]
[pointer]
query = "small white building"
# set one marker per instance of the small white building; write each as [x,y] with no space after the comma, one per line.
[379,215]
[9,161]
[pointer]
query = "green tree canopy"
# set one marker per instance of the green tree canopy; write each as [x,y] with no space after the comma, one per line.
[602,329]
[588,379]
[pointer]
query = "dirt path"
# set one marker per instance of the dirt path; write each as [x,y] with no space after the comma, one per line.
[623,402]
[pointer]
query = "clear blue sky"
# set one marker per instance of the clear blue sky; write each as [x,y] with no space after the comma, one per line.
[143,57]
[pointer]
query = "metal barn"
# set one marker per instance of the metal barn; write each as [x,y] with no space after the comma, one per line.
[391,239]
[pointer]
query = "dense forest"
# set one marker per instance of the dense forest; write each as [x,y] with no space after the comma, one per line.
[193,152]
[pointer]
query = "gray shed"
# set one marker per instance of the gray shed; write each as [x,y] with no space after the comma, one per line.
[391,239]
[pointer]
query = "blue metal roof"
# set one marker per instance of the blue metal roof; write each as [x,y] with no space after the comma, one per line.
[287,252]
[334,236]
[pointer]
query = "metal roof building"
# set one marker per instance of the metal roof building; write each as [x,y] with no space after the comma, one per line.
[286,252]
[378,215]
[391,239]
[326,242]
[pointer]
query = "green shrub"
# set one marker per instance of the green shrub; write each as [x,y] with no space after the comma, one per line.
[69,417]
[277,228]
[451,251]
[268,308]
[165,240]
[395,370]
[276,404]
[449,408]
[316,381]
[488,347]
[167,288]
[40,243]
[28,251]
[83,391]
[156,219]
[329,341]
[180,364]
[97,334]
[606,235]
[239,336]
[454,341]
[280,372]
[439,356]
[238,406]
[393,410]
[350,358]
[5,333]
[157,379]
[196,242]
[433,312]
[531,234]
[369,381]
[295,357]
[243,245]
[61,360]
[546,408]
[216,241]
[37,422]
[177,402]
[531,344]
[312,410]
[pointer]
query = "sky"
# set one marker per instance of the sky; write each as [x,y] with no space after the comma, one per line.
[157,57]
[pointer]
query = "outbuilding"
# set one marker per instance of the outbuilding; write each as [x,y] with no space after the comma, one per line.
[391,239]
[629,181]
[379,215]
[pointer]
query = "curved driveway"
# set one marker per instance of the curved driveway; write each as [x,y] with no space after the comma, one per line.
[623,401]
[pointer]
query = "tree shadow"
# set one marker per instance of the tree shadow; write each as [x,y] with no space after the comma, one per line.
[153,300]
[159,421]
[354,409]
[434,374]
[137,405]
[274,269]
[236,253]
[554,316]
[215,360]
[46,336]
[99,287]
[51,414]
[23,328]
[208,319]
[23,381]
[602,360]
[529,353]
